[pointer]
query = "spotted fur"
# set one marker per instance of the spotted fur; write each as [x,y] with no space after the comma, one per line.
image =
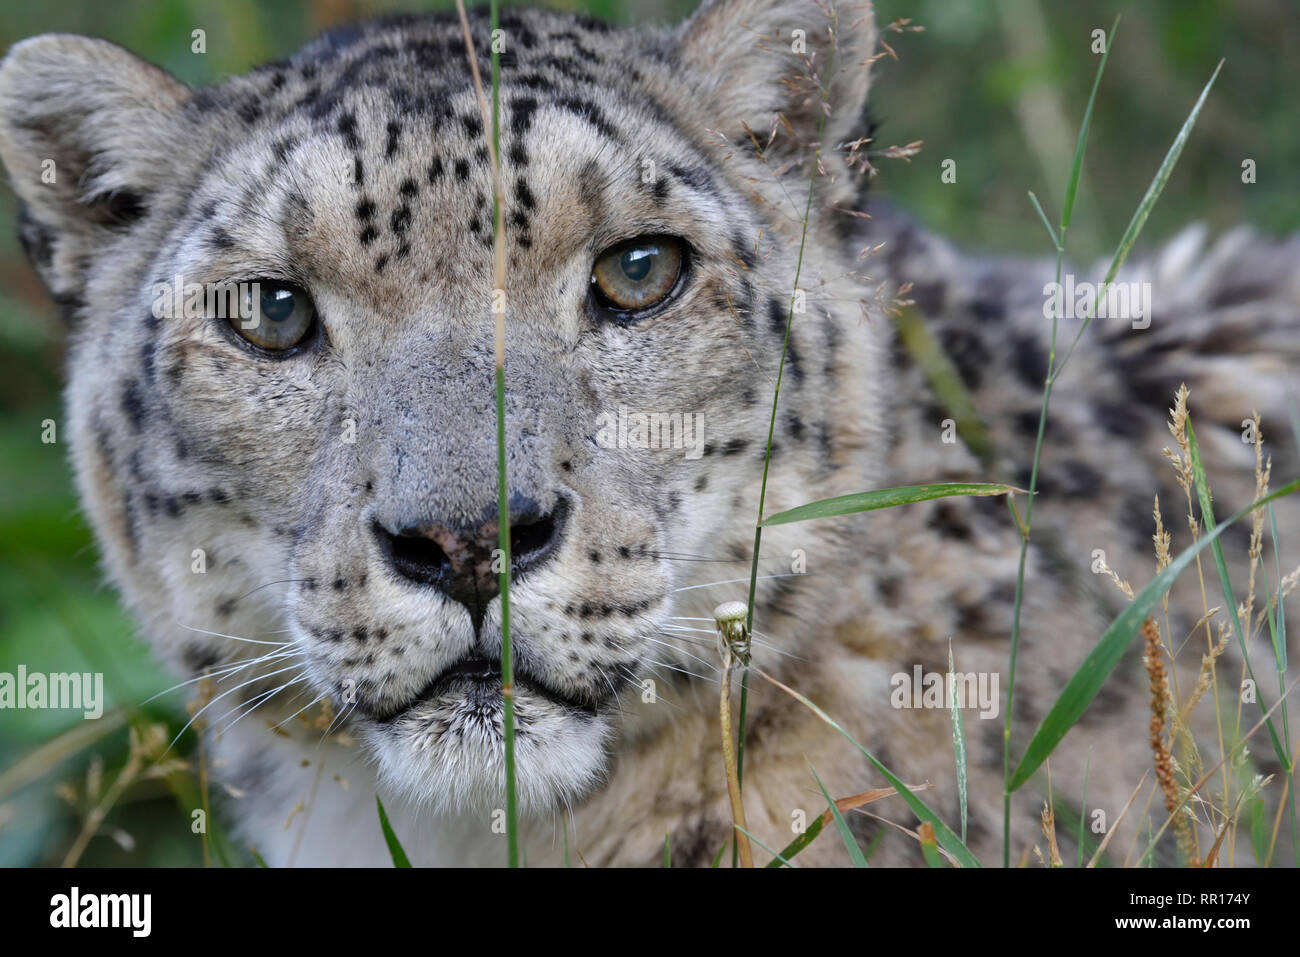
[358,169]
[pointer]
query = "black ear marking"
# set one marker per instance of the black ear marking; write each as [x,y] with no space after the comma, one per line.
[123,208]
[81,121]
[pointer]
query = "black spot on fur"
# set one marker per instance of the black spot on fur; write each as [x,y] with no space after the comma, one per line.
[794,425]
[696,177]
[249,111]
[779,317]
[348,128]
[1029,361]
[588,111]
[200,657]
[947,520]
[928,297]
[1118,419]
[524,195]
[744,252]
[132,404]
[521,115]
[967,352]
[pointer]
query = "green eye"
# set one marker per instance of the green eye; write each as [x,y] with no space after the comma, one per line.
[637,274]
[276,316]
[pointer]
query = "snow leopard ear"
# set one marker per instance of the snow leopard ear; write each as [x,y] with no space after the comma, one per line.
[84,133]
[758,60]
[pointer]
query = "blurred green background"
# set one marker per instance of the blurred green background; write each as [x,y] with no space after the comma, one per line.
[997,86]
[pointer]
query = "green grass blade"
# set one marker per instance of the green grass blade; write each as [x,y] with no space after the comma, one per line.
[1053,370]
[258,858]
[875,843]
[503,507]
[717,858]
[779,858]
[771,431]
[1279,630]
[1101,661]
[881,498]
[394,845]
[800,842]
[668,850]
[930,850]
[946,382]
[1080,145]
[958,744]
[1083,804]
[951,842]
[1158,183]
[1051,231]
[1144,208]
[855,852]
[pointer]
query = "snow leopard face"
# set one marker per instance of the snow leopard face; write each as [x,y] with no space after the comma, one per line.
[317,472]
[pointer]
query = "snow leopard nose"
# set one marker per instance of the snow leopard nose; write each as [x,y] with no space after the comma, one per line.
[462,562]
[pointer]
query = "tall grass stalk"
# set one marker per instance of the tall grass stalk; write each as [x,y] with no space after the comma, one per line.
[492,123]
[958,740]
[771,425]
[741,847]
[1058,239]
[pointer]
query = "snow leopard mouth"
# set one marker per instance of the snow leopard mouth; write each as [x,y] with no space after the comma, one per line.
[476,680]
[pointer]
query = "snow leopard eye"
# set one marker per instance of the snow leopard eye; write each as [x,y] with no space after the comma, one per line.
[637,275]
[276,316]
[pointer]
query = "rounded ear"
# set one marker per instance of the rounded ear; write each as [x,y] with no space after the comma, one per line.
[86,129]
[774,68]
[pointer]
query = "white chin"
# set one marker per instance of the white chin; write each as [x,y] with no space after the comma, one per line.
[449,758]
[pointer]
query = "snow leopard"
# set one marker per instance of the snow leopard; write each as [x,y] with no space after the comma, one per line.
[297,496]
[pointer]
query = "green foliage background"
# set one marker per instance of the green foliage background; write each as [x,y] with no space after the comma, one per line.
[996,85]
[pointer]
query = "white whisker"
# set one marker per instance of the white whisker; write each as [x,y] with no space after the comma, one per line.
[218,698]
[217,634]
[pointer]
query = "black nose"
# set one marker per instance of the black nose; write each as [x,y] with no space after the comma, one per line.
[458,561]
